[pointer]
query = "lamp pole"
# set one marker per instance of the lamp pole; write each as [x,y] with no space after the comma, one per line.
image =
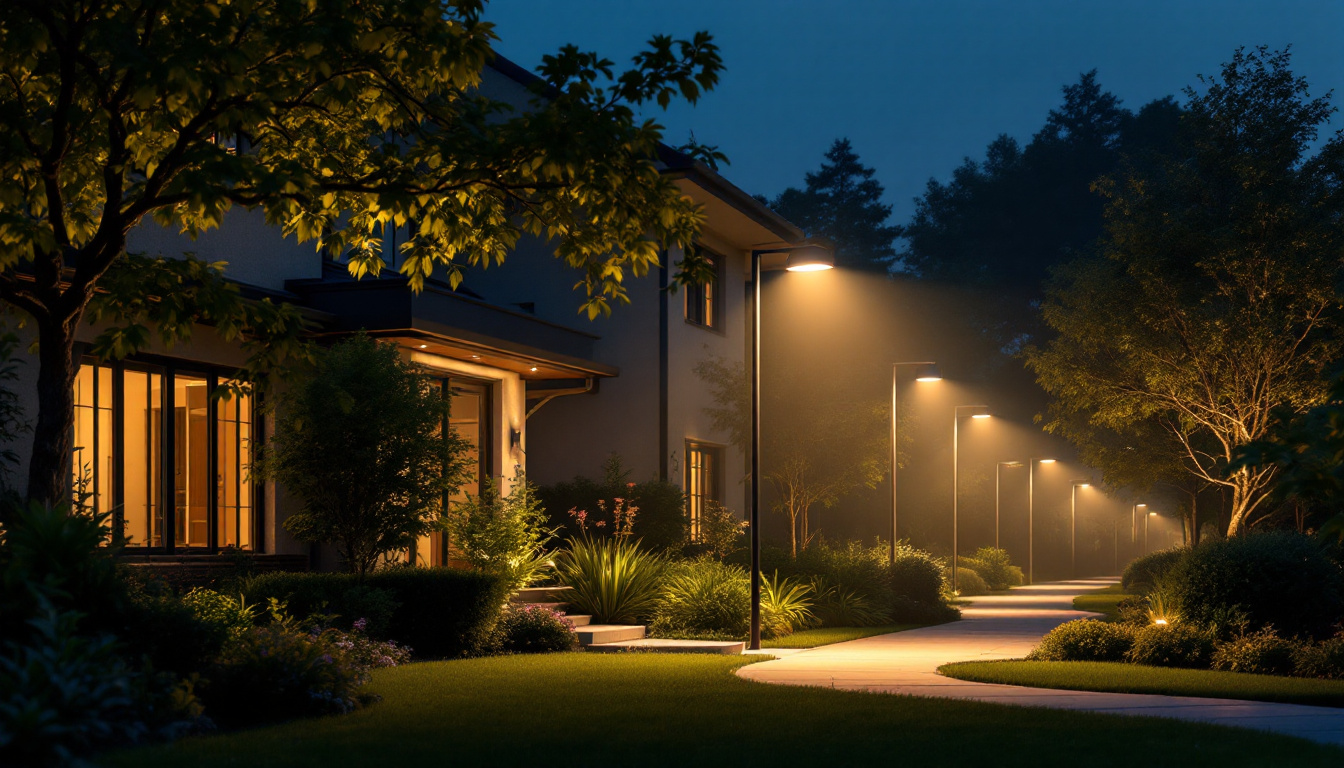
[998,468]
[808,257]
[1031,522]
[977,412]
[1073,529]
[1145,530]
[929,372]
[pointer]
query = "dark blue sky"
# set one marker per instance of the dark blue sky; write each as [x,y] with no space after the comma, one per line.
[919,84]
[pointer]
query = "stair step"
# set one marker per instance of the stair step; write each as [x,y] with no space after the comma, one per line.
[579,620]
[541,595]
[659,645]
[608,633]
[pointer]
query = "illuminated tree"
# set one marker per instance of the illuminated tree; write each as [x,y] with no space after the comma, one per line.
[337,119]
[1214,301]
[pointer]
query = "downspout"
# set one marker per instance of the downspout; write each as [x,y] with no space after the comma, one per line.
[587,387]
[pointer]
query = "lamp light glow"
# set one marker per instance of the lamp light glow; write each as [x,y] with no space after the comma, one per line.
[1160,622]
[813,259]
[1046,461]
[980,416]
[929,373]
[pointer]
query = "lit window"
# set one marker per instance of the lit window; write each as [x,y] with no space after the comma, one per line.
[704,481]
[704,305]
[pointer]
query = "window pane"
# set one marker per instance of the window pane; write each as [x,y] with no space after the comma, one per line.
[234,481]
[142,398]
[92,458]
[191,461]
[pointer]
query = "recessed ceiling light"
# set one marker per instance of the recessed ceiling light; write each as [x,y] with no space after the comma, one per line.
[423,346]
[534,369]
[475,357]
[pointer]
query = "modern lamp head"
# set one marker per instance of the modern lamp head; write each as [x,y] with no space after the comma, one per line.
[929,372]
[980,415]
[1046,461]
[811,258]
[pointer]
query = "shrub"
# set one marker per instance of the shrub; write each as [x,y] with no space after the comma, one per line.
[836,606]
[278,672]
[1259,653]
[1085,640]
[994,566]
[660,524]
[1143,573]
[613,579]
[909,589]
[1133,610]
[222,613]
[439,612]
[1280,578]
[360,440]
[1172,645]
[969,583]
[366,653]
[64,695]
[704,597]
[916,575]
[535,629]
[503,535]
[1324,659]
[785,606]
[162,629]
[721,531]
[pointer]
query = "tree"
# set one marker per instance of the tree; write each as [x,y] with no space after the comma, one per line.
[361,441]
[339,119]
[1213,302]
[813,458]
[842,202]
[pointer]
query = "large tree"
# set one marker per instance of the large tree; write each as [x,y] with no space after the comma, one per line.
[338,119]
[842,202]
[1214,300]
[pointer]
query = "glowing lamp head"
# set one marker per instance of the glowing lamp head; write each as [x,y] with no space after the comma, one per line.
[929,372]
[979,415]
[811,259]
[1152,514]
[1160,622]
[1084,485]
[424,346]
[1140,505]
[534,369]
[1046,461]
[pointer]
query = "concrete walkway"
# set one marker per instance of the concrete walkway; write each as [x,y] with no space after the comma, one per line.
[1008,626]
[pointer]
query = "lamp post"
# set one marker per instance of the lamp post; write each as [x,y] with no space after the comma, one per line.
[997,469]
[1073,528]
[806,257]
[927,372]
[1031,522]
[1145,530]
[1134,523]
[976,412]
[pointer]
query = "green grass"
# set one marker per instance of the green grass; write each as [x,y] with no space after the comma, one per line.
[1102,601]
[811,638]
[668,710]
[1119,677]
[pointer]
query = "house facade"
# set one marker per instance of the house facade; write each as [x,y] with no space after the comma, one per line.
[534,385]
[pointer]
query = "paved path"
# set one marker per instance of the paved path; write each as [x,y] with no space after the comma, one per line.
[1007,626]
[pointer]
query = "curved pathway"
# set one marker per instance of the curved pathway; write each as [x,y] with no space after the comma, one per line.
[1007,626]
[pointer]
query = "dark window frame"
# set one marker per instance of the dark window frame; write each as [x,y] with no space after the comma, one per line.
[693,307]
[713,490]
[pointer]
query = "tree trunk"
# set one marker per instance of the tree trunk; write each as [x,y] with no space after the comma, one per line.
[49,469]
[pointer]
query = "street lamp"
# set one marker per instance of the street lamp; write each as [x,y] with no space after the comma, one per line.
[997,469]
[1031,522]
[927,372]
[1145,530]
[1073,528]
[806,257]
[1134,523]
[975,412]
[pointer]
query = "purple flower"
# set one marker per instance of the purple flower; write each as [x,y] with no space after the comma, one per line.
[360,624]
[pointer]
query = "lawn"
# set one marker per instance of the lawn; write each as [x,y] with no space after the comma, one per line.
[811,638]
[1102,601]
[1134,678]
[678,710]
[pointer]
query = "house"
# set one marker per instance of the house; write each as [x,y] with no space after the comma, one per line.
[534,385]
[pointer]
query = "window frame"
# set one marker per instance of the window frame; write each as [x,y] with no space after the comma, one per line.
[715,299]
[168,369]
[716,489]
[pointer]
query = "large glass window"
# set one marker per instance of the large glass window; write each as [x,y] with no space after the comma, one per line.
[128,460]
[704,481]
[469,418]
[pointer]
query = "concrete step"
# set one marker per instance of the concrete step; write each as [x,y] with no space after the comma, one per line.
[579,620]
[608,633]
[541,595]
[659,645]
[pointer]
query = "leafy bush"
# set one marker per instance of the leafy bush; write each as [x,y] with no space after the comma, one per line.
[1281,578]
[994,566]
[281,671]
[439,612]
[785,606]
[916,575]
[1259,653]
[909,589]
[969,583]
[64,695]
[224,613]
[1324,659]
[1143,573]
[360,440]
[722,531]
[836,606]
[503,535]
[613,579]
[704,596]
[1181,644]
[661,524]
[535,629]
[1085,640]
[366,653]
